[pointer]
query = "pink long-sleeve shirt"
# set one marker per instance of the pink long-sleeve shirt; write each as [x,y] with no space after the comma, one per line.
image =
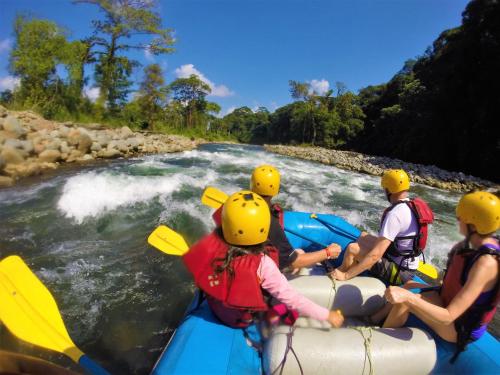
[278,286]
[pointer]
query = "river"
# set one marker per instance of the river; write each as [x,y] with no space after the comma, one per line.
[83,232]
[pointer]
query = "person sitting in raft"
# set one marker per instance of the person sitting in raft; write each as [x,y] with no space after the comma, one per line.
[468,298]
[265,181]
[393,256]
[236,269]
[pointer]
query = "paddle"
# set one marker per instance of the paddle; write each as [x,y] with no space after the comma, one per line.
[30,312]
[425,268]
[168,241]
[213,197]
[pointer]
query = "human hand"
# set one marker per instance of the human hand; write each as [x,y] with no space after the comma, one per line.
[297,270]
[339,275]
[395,294]
[333,250]
[335,318]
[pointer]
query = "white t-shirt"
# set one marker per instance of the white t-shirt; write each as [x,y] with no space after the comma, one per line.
[400,222]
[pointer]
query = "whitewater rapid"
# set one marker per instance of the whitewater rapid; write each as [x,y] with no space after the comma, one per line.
[84,234]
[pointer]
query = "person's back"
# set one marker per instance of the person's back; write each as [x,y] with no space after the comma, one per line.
[233,268]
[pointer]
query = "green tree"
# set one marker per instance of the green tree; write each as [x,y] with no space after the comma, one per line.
[40,46]
[123,20]
[152,94]
[191,93]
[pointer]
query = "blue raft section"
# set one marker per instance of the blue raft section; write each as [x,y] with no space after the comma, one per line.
[202,345]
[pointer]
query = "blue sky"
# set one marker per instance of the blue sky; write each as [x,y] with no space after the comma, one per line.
[248,50]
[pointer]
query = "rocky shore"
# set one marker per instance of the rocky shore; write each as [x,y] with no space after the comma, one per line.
[30,144]
[424,174]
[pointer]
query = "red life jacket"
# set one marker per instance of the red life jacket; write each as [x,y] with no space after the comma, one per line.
[278,212]
[475,319]
[217,216]
[424,216]
[233,297]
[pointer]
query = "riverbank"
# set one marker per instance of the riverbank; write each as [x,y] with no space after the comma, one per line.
[31,145]
[429,175]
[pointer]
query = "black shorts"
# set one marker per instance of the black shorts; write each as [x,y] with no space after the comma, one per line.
[386,270]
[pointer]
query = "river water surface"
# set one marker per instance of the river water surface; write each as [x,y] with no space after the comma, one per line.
[84,234]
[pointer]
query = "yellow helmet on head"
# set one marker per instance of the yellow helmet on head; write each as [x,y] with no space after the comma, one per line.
[265,181]
[482,209]
[245,219]
[395,180]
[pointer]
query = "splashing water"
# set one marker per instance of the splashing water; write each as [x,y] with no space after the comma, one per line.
[84,234]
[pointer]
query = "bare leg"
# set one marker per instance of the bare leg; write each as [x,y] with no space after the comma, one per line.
[385,310]
[399,315]
[357,250]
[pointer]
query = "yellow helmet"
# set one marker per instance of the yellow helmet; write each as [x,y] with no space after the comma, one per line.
[245,219]
[481,209]
[265,181]
[395,180]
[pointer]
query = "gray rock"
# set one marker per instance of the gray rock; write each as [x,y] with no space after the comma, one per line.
[95,146]
[103,139]
[14,143]
[133,143]
[126,132]
[64,148]
[54,144]
[109,153]
[49,156]
[12,124]
[27,146]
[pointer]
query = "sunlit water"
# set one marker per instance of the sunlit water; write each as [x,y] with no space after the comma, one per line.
[84,234]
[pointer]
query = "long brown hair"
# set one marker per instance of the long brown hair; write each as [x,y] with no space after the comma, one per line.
[225,264]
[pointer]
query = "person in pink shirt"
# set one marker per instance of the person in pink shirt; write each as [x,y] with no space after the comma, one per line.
[234,267]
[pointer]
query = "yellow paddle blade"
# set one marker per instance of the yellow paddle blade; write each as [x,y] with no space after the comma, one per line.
[168,241]
[428,270]
[213,197]
[29,311]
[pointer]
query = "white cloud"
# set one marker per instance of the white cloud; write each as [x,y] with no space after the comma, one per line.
[320,87]
[184,71]
[5,45]
[9,83]
[92,93]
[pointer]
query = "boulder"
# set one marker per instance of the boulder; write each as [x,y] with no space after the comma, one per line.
[3,111]
[2,161]
[103,139]
[12,124]
[80,138]
[12,155]
[86,158]
[49,156]
[74,155]
[126,132]
[54,144]
[109,153]
[6,181]
[64,131]
[95,146]
[65,149]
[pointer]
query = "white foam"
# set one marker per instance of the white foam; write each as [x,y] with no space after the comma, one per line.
[91,194]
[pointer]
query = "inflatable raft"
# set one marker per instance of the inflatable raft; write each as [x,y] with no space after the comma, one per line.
[202,345]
